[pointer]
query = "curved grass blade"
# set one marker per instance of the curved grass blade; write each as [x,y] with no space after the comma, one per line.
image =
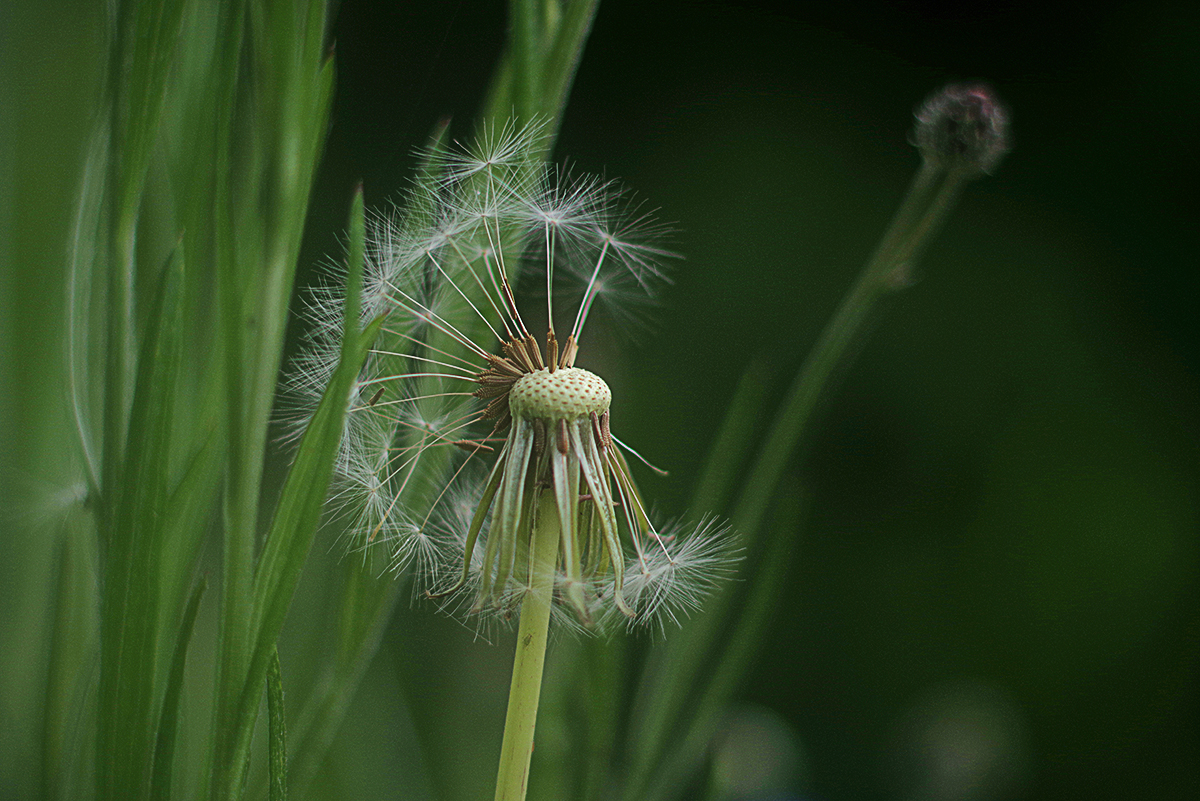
[300,505]
[131,608]
[168,727]
[687,745]
[672,672]
[365,607]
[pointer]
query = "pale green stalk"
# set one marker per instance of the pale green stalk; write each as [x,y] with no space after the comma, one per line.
[512,778]
[664,729]
[933,193]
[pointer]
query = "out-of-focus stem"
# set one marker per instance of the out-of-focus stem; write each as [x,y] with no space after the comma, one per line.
[933,193]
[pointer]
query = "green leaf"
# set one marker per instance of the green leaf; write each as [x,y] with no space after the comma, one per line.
[562,62]
[147,33]
[143,49]
[667,691]
[366,603]
[733,441]
[72,652]
[299,511]
[187,517]
[603,688]
[276,732]
[526,34]
[542,55]
[261,209]
[365,609]
[168,727]
[131,633]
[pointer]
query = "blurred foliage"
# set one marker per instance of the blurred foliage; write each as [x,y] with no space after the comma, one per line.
[995,595]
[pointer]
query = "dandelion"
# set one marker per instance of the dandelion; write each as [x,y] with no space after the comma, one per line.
[963,126]
[467,434]
[480,454]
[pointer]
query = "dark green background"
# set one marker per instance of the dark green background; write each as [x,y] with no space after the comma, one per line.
[1003,527]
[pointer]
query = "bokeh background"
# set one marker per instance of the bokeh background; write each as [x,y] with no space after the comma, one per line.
[994,592]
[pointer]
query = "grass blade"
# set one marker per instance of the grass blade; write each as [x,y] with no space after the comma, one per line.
[686,746]
[168,727]
[299,510]
[566,51]
[276,732]
[365,607]
[141,55]
[262,207]
[72,655]
[132,602]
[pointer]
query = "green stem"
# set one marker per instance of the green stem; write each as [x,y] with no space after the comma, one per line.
[673,677]
[526,42]
[932,194]
[513,776]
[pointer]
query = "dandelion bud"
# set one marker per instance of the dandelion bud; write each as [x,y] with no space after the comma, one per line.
[963,127]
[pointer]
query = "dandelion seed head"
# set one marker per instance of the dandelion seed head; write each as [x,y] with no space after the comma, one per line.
[465,427]
[963,126]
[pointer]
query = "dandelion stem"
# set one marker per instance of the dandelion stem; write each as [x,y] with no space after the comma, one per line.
[933,193]
[513,776]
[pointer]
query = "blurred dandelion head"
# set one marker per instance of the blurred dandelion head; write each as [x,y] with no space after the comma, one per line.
[463,418]
[964,127]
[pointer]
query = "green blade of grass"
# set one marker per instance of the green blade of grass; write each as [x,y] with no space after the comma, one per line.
[365,609]
[276,732]
[168,727]
[604,687]
[298,513]
[525,40]
[686,747]
[258,243]
[187,518]
[238,544]
[146,36]
[539,53]
[132,603]
[733,442]
[143,47]
[672,671]
[565,52]
[365,606]
[72,657]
